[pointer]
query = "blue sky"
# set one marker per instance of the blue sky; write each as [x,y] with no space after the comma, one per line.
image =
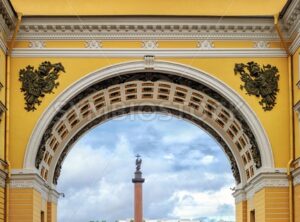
[187,173]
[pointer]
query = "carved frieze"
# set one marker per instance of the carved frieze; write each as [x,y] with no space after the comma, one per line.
[37,44]
[261,44]
[93,44]
[150,44]
[206,44]
[261,82]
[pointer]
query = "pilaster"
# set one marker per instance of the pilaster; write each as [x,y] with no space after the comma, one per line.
[296,176]
[264,199]
[31,198]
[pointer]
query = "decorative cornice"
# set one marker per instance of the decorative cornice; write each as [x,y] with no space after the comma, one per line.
[147,28]
[239,195]
[265,179]
[295,44]
[7,14]
[291,19]
[188,53]
[21,180]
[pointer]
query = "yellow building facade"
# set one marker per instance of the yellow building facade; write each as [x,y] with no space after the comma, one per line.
[191,59]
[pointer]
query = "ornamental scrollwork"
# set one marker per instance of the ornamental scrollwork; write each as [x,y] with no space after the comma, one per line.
[260,82]
[38,82]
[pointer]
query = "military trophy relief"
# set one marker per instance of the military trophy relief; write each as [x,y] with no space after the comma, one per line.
[261,82]
[36,83]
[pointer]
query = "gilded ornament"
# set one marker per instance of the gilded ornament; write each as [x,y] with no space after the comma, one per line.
[260,82]
[38,82]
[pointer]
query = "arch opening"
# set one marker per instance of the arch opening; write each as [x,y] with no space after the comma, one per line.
[172,169]
[177,93]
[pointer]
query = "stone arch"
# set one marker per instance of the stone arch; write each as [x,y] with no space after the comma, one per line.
[166,87]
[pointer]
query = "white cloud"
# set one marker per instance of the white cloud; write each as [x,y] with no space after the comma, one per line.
[181,181]
[200,204]
[208,159]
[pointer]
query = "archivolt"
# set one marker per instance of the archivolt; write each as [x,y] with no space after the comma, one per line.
[157,92]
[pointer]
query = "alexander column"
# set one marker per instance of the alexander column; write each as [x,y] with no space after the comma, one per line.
[138,190]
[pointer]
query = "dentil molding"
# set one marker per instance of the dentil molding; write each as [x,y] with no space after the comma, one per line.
[147,28]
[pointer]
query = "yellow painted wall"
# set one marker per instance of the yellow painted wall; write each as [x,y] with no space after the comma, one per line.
[144,7]
[2,99]
[2,204]
[275,122]
[20,205]
[25,205]
[51,212]
[259,206]
[241,211]
[271,204]
[297,202]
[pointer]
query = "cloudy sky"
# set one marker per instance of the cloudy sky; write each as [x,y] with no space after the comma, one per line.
[187,174]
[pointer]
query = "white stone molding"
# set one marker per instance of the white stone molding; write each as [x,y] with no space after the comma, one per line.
[206,44]
[3,45]
[149,61]
[37,44]
[261,44]
[295,44]
[150,44]
[291,19]
[264,180]
[7,14]
[93,44]
[239,195]
[147,28]
[133,53]
[21,179]
[159,66]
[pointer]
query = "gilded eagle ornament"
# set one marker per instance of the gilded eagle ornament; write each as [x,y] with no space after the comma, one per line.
[260,82]
[38,82]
